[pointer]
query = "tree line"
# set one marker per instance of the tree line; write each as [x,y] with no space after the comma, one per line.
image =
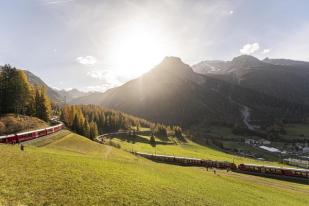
[18,96]
[92,120]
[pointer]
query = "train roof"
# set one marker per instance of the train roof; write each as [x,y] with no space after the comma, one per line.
[27,132]
[38,130]
[158,155]
[285,168]
[53,126]
[177,157]
[7,136]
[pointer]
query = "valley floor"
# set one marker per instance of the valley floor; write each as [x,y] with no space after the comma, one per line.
[71,170]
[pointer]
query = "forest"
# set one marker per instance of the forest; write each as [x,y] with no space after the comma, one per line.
[18,96]
[92,120]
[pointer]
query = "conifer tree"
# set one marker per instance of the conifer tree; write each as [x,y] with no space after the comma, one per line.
[15,91]
[86,128]
[178,132]
[75,124]
[152,140]
[93,130]
[42,104]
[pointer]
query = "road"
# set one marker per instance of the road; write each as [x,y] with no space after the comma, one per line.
[100,137]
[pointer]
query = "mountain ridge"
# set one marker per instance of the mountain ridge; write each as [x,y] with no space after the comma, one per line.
[173,93]
[283,79]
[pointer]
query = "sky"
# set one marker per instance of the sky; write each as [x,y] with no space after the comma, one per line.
[94,45]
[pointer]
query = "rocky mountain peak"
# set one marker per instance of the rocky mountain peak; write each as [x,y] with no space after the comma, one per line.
[246,61]
[173,64]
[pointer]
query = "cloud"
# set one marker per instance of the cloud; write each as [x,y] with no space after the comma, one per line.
[96,74]
[107,79]
[266,51]
[56,88]
[58,1]
[86,60]
[68,89]
[250,48]
[231,12]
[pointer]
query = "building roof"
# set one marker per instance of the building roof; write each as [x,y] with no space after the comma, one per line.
[269,149]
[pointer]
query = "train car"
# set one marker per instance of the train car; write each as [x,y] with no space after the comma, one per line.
[49,130]
[41,132]
[25,136]
[58,127]
[225,165]
[186,161]
[270,170]
[9,139]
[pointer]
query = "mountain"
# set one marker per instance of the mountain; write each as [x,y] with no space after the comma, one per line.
[208,67]
[35,80]
[58,96]
[286,62]
[69,95]
[282,78]
[173,93]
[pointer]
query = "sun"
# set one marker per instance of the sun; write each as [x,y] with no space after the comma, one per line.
[136,51]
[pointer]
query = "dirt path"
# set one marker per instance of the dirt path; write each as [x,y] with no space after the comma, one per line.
[108,151]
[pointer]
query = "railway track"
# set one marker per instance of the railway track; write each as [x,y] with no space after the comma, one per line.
[282,173]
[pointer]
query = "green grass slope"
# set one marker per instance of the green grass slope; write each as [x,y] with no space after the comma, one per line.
[187,149]
[72,170]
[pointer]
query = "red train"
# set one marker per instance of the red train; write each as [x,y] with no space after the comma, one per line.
[270,171]
[186,161]
[274,171]
[25,136]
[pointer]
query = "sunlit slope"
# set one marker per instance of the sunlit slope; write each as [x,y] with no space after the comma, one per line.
[66,141]
[62,173]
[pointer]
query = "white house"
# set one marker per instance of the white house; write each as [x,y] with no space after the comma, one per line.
[306,149]
[250,141]
[269,149]
[264,142]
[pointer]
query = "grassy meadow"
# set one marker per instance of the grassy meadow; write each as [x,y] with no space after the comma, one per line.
[185,149]
[67,169]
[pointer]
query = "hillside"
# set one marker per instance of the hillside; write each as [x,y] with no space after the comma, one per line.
[281,78]
[172,93]
[58,96]
[35,80]
[72,170]
[11,123]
